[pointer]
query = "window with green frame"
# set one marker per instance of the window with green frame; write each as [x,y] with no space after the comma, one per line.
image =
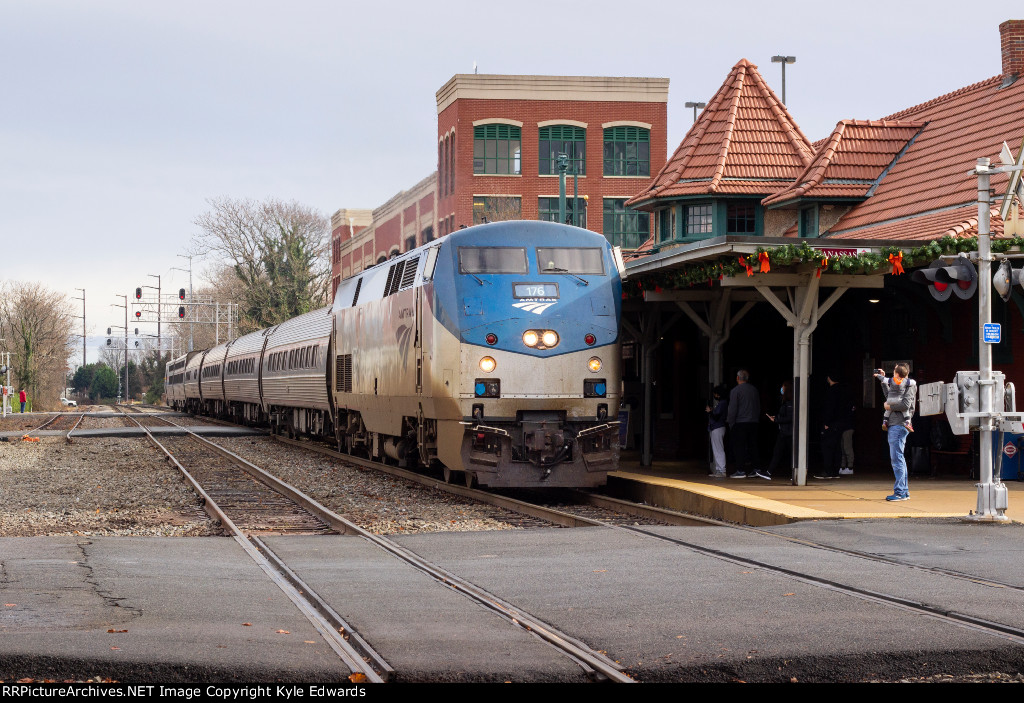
[665,233]
[741,218]
[699,220]
[547,210]
[496,209]
[809,222]
[563,139]
[627,151]
[497,149]
[623,226]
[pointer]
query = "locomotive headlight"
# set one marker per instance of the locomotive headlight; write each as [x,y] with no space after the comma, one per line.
[594,364]
[530,338]
[487,364]
[550,338]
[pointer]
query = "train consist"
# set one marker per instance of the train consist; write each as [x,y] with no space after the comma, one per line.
[492,352]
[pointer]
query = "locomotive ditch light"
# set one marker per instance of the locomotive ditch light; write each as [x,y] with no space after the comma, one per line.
[530,338]
[488,364]
[594,364]
[549,338]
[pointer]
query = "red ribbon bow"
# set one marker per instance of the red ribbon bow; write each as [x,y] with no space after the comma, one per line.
[763,258]
[744,264]
[897,263]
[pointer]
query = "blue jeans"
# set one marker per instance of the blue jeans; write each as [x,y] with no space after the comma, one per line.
[897,440]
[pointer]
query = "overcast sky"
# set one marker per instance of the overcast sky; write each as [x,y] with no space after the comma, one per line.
[119,119]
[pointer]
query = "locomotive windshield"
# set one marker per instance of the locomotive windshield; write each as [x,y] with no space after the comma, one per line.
[575,261]
[492,260]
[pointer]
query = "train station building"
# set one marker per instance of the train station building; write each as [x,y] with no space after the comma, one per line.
[791,259]
[497,141]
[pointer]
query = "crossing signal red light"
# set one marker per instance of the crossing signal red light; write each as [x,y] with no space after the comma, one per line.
[181,294]
[181,312]
[943,279]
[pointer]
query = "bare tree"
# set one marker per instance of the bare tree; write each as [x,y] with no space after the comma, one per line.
[36,325]
[272,256]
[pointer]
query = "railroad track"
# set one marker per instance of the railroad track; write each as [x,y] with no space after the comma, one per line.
[362,659]
[59,422]
[596,510]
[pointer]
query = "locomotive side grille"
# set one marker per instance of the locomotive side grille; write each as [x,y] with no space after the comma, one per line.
[409,276]
[394,278]
[343,374]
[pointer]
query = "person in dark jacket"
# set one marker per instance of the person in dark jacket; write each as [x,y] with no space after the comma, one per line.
[743,417]
[782,457]
[834,418]
[716,428]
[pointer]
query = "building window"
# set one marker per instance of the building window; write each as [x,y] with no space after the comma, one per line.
[627,151]
[623,226]
[496,209]
[496,149]
[451,164]
[698,220]
[809,222]
[410,243]
[442,164]
[428,234]
[547,210]
[740,218]
[563,139]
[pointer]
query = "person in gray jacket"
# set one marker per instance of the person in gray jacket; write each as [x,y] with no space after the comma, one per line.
[744,415]
[900,401]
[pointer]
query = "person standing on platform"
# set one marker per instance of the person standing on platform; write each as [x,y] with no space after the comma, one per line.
[834,413]
[743,417]
[716,428]
[782,457]
[22,397]
[900,401]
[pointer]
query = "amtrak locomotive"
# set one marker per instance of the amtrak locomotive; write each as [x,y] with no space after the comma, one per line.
[492,352]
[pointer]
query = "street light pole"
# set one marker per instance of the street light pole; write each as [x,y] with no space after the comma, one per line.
[783,60]
[696,105]
[563,166]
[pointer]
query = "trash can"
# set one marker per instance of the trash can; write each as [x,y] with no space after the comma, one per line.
[1013,455]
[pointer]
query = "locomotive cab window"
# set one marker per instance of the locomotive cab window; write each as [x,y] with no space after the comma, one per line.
[576,261]
[492,260]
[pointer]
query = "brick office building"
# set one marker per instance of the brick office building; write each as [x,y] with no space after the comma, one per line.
[497,142]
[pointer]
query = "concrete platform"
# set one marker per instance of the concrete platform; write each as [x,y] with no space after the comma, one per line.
[754,501]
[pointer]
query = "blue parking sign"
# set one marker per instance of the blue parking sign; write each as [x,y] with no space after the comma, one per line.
[992,333]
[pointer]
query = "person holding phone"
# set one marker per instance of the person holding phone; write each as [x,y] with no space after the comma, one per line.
[900,400]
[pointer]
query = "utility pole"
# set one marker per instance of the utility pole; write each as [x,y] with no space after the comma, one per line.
[191,316]
[83,322]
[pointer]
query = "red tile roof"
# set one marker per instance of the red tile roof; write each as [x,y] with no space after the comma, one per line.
[849,163]
[744,142]
[930,190]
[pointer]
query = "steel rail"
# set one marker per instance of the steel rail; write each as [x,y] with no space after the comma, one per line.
[332,632]
[590,660]
[686,519]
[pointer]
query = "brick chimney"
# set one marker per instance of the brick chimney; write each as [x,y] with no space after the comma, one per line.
[1011,40]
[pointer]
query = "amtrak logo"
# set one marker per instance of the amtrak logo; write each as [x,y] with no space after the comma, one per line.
[535,306]
[403,335]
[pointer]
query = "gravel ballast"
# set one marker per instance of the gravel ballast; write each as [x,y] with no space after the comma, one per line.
[101,486]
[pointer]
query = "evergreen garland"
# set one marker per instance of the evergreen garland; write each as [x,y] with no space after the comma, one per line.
[707,272]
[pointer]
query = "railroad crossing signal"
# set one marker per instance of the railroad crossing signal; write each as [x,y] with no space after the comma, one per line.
[943,279]
[138,294]
[1006,278]
[181,294]
[181,311]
